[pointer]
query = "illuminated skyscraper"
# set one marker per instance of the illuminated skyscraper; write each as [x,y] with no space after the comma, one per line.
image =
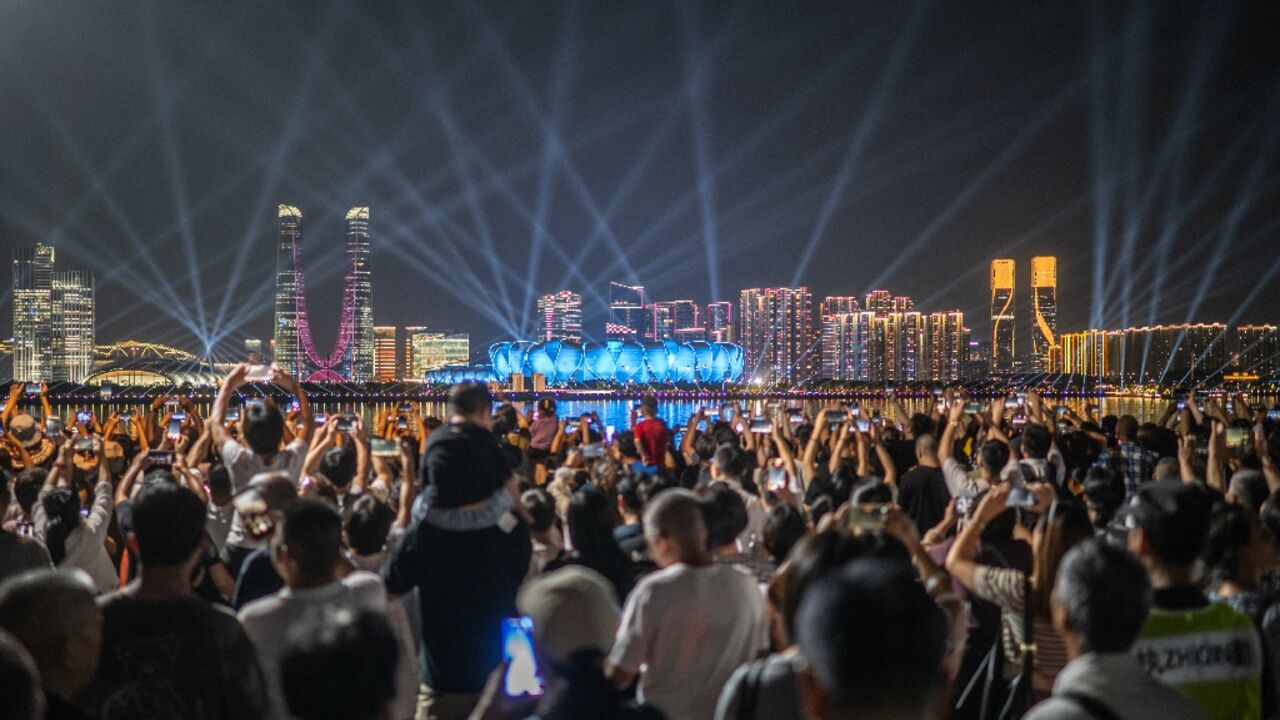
[560,315]
[72,316]
[406,360]
[626,313]
[719,322]
[1259,350]
[879,302]
[434,350]
[287,348]
[838,305]
[677,320]
[664,321]
[1003,349]
[1044,305]
[776,333]
[361,283]
[384,354]
[945,347]
[32,311]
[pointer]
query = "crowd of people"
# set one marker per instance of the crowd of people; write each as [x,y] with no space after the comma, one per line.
[983,559]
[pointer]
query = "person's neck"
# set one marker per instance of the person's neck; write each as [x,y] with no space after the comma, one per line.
[698,558]
[725,550]
[1165,576]
[1075,647]
[929,461]
[1233,587]
[311,583]
[165,581]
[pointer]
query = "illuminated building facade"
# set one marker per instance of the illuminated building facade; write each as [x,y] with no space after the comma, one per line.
[72,323]
[840,345]
[1003,348]
[361,289]
[838,305]
[385,367]
[879,302]
[776,331]
[1044,307]
[664,321]
[719,321]
[288,351]
[617,361]
[434,350]
[32,312]
[945,347]
[1093,353]
[1258,350]
[406,360]
[560,315]
[678,320]
[1181,354]
[627,312]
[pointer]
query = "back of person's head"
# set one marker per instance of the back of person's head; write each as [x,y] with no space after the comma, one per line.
[653,485]
[20,696]
[54,615]
[649,405]
[705,445]
[168,525]
[368,526]
[546,407]
[676,516]
[871,491]
[1104,492]
[1036,441]
[1167,469]
[926,445]
[311,533]
[1231,535]
[591,527]
[1127,428]
[994,456]
[629,492]
[62,507]
[1064,526]
[921,425]
[1173,519]
[342,667]
[625,441]
[263,427]
[784,528]
[724,434]
[218,480]
[1248,489]
[874,641]
[1105,595]
[732,461]
[469,399]
[26,487]
[724,513]
[541,508]
[339,465]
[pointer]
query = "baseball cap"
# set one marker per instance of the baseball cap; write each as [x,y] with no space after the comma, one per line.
[573,609]
[1174,517]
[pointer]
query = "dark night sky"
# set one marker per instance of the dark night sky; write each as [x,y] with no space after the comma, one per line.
[509,149]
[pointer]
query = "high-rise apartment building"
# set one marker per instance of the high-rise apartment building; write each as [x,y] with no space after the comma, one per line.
[1170,354]
[1003,350]
[362,335]
[677,320]
[385,367]
[1044,308]
[664,321]
[627,313]
[560,316]
[719,322]
[1258,350]
[434,350]
[32,312]
[838,305]
[289,355]
[72,323]
[879,302]
[776,333]
[839,346]
[945,347]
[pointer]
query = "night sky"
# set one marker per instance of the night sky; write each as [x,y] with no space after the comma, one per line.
[512,149]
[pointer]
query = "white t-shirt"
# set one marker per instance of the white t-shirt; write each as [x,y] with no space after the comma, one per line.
[269,620]
[242,464]
[685,630]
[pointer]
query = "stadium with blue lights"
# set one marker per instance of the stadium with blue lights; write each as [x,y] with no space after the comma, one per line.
[565,362]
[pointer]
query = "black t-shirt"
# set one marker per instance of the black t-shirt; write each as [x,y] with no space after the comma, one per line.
[469,581]
[258,578]
[462,465]
[923,494]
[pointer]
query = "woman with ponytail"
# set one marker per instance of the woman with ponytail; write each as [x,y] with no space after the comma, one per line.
[76,539]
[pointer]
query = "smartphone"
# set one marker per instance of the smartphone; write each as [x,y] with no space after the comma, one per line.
[940,408]
[1182,404]
[761,425]
[33,388]
[175,429]
[179,415]
[1273,415]
[711,412]
[85,444]
[835,417]
[1059,410]
[522,677]
[53,426]
[964,504]
[126,415]
[83,417]
[864,425]
[402,423]
[609,430]
[1019,495]
[855,409]
[1019,420]
[258,373]
[595,450]
[571,428]
[381,447]
[293,404]
[346,423]
[1011,404]
[84,512]
[1237,438]
[406,407]
[777,477]
[320,418]
[868,516]
[106,393]
[233,414]
[160,457]
[1021,398]
[972,408]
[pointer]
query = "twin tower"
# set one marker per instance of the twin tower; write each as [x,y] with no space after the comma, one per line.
[1044,307]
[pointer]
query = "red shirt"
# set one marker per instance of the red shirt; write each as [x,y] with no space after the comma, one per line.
[652,438]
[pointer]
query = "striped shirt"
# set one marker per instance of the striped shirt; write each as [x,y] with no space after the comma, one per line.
[1005,587]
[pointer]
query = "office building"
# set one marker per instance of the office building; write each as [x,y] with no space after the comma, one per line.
[385,367]
[1003,349]
[677,320]
[289,355]
[945,347]
[627,313]
[1258,350]
[719,322]
[664,321]
[72,323]
[360,286]
[406,360]
[1044,309]
[32,312]
[775,327]
[434,350]
[560,316]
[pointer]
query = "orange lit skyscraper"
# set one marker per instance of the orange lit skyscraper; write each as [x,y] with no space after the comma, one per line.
[1003,348]
[384,354]
[1044,306]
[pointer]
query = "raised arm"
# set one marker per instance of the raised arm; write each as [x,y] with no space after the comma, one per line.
[218,416]
[961,559]
[290,383]
[360,443]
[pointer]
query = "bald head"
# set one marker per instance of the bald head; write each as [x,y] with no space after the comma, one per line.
[674,521]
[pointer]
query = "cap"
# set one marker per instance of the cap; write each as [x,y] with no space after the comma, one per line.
[573,609]
[1174,517]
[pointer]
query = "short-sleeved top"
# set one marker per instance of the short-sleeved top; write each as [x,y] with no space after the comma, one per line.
[462,465]
[242,464]
[1006,587]
[923,494]
[653,437]
[685,630]
[767,689]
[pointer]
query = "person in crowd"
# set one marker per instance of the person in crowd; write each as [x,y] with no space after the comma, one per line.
[653,439]
[785,527]
[30,436]
[306,550]
[1062,525]
[725,515]
[1040,459]
[691,619]
[18,553]
[993,458]
[340,666]
[547,543]
[75,539]
[166,653]
[630,533]
[221,509]
[20,697]
[1135,462]
[262,430]
[922,490]
[260,507]
[1100,601]
[874,642]
[469,554]
[54,616]
[730,466]
[543,430]
[591,536]
[1248,489]
[1169,527]
[1104,493]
